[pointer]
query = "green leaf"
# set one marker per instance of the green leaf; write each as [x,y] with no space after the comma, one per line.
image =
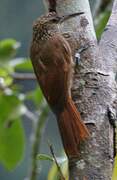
[5,76]
[12,138]
[11,143]
[114,176]
[44,157]
[60,160]
[9,105]
[101,22]
[53,172]
[23,64]
[8,49]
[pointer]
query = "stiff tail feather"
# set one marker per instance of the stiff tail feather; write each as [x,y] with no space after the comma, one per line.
[72,129]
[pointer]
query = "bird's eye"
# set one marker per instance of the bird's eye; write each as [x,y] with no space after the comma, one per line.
[55,19]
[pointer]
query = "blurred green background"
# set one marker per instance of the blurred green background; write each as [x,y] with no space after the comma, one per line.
[21,100]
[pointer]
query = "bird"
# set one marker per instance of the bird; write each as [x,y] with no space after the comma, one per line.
[53,65]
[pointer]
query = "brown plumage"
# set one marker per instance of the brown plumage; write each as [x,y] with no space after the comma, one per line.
[53,65]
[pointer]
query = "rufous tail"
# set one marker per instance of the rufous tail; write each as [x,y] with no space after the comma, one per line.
[72,129]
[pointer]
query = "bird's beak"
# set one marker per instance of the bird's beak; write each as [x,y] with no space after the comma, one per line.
[66,17]
[60,19]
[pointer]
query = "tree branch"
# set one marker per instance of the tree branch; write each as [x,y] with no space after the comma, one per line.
[23,76]
[108,48]
[36,138]
[58,167]
[96,154]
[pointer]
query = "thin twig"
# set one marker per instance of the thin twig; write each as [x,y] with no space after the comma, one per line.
[55,159]
[30,115]
[39,125]
[23,76]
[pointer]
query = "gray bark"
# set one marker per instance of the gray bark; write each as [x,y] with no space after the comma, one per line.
[94,89]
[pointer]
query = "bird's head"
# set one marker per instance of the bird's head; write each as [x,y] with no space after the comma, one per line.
[47,24]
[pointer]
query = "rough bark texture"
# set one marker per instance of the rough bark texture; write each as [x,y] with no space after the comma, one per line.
[94,89]
[108,50]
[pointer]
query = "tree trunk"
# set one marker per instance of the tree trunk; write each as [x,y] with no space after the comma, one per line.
[94,88]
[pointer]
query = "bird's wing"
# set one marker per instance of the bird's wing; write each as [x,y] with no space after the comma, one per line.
[52,67]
